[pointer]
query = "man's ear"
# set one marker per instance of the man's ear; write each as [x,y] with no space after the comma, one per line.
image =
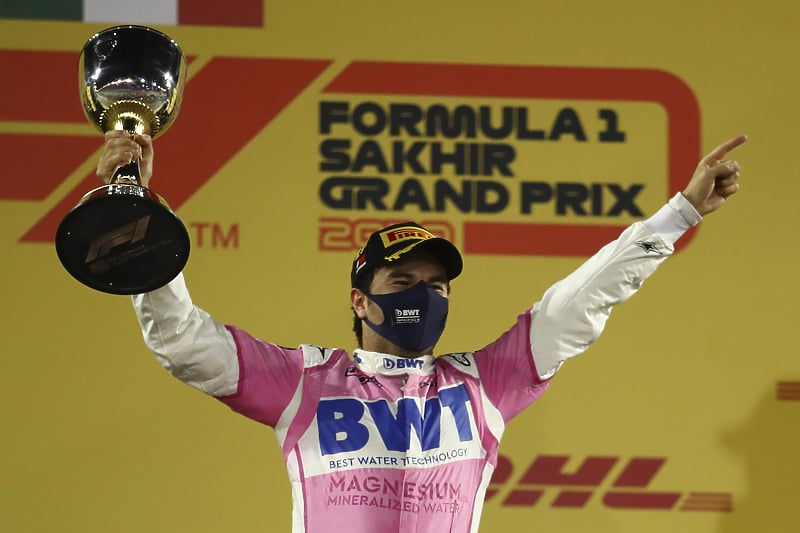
[359,302]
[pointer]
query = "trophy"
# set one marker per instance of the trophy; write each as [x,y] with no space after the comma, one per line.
[122,238]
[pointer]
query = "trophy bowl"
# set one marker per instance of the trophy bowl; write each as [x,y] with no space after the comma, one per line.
[123,238]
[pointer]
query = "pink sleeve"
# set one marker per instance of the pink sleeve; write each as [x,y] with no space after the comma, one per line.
[507,371]
[268,378]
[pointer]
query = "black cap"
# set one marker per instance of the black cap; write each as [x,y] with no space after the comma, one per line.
[392,242]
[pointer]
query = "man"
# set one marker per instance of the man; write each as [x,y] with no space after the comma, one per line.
[394,439]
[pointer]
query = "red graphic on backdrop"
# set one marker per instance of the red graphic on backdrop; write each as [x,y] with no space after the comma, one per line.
[225,105]
[788,390]
[593,478]
[248,13]
[231,99]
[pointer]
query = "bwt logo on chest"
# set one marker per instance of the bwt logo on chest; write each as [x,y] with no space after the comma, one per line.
[350,424]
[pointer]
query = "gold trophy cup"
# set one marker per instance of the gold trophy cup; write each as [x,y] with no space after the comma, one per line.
[122,238]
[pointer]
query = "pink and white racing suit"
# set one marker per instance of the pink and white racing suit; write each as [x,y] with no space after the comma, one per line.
[382,443]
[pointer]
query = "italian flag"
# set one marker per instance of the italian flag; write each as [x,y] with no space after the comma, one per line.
[242,13]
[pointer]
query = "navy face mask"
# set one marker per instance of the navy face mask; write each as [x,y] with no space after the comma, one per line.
[414,318]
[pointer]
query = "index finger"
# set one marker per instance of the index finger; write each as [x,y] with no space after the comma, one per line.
[718,153]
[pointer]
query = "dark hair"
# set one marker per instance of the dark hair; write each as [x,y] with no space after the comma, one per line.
[363,284]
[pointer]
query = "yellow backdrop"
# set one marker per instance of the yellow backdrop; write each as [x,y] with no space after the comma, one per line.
[685,411]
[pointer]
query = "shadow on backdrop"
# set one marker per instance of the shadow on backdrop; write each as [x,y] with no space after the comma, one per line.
[768,447]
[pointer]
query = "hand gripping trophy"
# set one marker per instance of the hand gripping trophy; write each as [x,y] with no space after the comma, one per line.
[122,238]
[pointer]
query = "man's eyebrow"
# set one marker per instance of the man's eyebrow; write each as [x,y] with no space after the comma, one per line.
[442,279]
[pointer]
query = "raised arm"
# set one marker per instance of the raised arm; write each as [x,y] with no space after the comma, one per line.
[573,312]
[185,339]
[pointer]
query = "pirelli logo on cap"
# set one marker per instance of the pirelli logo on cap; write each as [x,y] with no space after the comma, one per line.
[405,233]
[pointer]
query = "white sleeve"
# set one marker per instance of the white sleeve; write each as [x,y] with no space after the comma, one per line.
[191,345]
[574,311]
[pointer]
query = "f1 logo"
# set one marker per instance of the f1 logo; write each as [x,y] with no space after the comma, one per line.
[131,233]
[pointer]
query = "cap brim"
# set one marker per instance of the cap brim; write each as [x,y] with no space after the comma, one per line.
[447,253]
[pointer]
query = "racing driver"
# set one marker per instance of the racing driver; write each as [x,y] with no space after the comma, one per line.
[392,438]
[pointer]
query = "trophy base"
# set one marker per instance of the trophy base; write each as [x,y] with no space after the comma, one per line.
[122,239]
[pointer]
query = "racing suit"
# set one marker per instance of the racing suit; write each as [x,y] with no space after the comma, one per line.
[375,442]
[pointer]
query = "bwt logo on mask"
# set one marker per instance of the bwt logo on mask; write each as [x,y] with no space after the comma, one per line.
[343,423]
[403,317]
[401,363]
